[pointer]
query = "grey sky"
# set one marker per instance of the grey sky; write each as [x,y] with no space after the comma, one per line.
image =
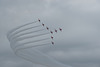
[78,45]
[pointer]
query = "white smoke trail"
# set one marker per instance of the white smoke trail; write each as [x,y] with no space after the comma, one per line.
[27,33]
[27,50]
[10,32]
[22,44]
[23,30]
[23,38]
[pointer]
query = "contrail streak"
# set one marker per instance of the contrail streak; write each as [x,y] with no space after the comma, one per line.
[23,30]
[22,44]
[20,27]
[23,38]
[26,33]
[38,57]
[32,46]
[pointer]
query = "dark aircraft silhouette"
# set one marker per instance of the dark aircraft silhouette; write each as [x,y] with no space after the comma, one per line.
[42,24]
[55,30]
[39,20]
[60,29]
[52,42]
[51,37]
[51,32]
[47,28]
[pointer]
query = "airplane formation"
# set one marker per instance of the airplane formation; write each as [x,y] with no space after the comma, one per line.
[50,30]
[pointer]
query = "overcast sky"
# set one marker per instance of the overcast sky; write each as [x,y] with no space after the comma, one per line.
[78,45]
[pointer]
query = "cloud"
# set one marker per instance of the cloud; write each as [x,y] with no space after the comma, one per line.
[85,5]
[8,58]
[78,44]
